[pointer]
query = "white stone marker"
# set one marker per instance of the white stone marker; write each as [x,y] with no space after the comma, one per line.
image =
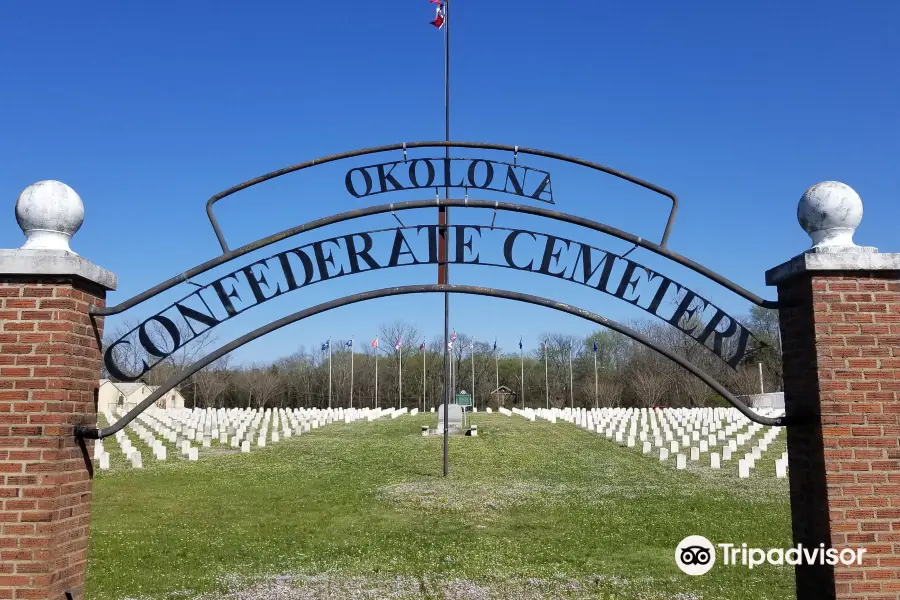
[104,461]
[780,469]
[646,448]
[193,454]
[743,469]
[695,453]
[663,454]
[136,461]
[245,446]
[714,460]
[680,461]
[207,442]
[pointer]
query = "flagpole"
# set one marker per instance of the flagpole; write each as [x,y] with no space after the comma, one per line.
[376,374]
[596,397]
[329,373]
[496,367]
[399,377]
[351,372]
[571,383]
[473,374]
[444,219]
[522,359]
[423,376]
[546,378]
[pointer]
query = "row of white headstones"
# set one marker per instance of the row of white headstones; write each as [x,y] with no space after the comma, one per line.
[685,434]
[236,427]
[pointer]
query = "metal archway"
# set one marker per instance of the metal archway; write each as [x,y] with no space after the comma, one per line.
[404,146]
[418,204]
[95,433]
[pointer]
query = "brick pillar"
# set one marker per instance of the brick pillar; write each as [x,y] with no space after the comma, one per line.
[49,374]
[840,328]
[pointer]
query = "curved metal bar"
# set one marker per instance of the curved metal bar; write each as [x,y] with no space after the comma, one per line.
[94,433]
[416,204]
[441,144]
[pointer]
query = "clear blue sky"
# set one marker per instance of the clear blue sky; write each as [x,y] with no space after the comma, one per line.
[149,109]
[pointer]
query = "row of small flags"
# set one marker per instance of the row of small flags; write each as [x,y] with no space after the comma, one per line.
[349,344]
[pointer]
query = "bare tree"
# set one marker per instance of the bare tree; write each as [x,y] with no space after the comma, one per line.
[212,382]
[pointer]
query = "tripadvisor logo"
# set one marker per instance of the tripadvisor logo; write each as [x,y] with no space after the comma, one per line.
[696,555]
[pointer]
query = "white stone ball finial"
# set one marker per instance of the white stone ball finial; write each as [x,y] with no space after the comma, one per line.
[830,212]
[49,213]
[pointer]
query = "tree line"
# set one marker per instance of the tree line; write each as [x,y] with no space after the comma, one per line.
[621,372]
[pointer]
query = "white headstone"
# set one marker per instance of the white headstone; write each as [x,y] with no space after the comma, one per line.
[454,417]
[780,469]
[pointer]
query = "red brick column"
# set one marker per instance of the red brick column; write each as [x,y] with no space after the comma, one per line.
[841,351]
[49,374]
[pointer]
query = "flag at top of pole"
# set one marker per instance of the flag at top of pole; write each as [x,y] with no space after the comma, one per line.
[520,342]
[595,347]
[422,346]
[495,344]
[375,342]
[439,14]
[349,343]
[399,343]
[326,345]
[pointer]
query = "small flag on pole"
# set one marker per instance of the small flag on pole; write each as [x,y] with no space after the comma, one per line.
[375,342]
[439,14]
[399,343]
[520,342]
[422,346]
[326,345]
[595,346]
[495,344]
[349,343]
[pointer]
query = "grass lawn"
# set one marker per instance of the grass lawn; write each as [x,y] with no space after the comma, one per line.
[530,510]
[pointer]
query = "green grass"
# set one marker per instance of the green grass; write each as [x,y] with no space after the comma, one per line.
[529,510]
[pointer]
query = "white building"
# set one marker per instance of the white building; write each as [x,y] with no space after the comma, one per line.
[128,395]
